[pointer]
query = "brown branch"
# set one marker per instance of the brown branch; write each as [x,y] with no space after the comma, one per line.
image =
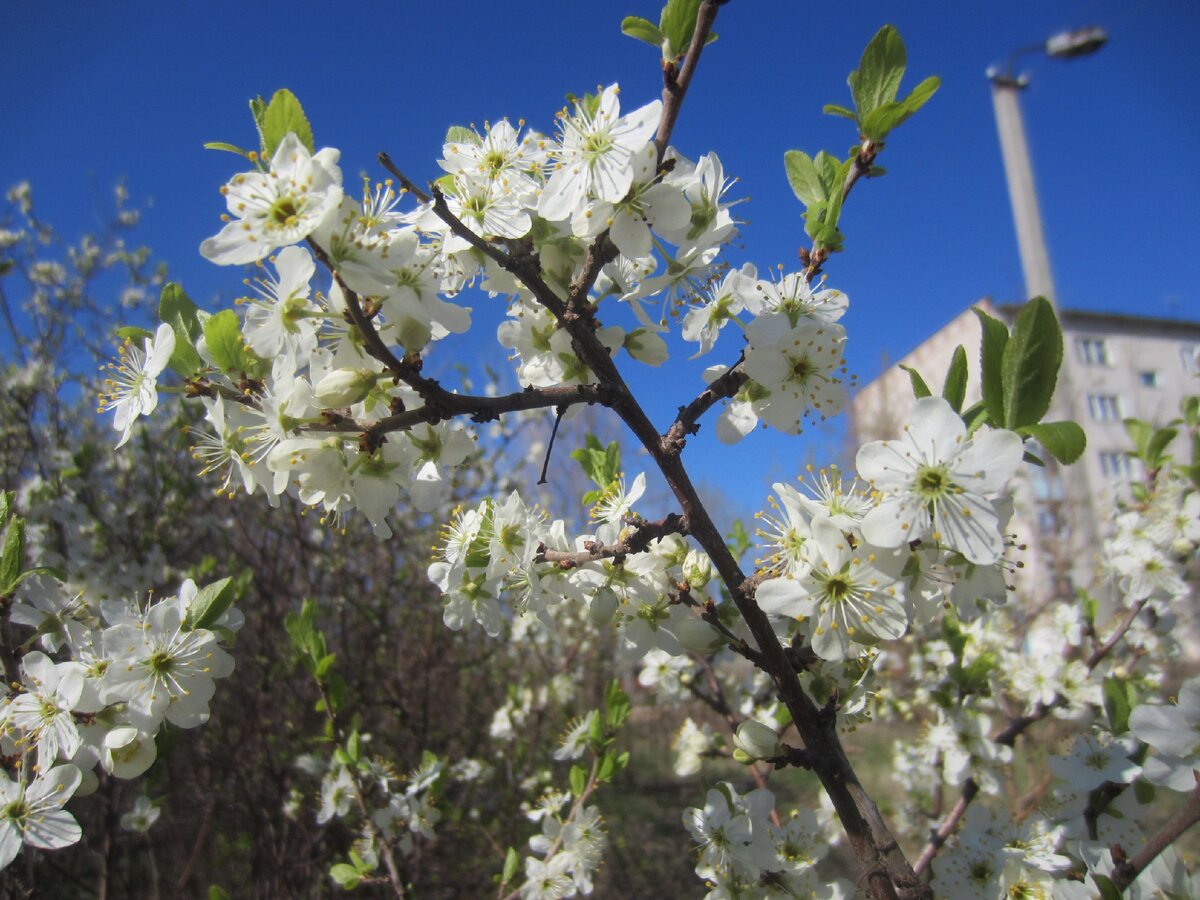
[943,831]
[1126,870]
[675,86]
[442,210]
[478,407]
[637,542]
[1104,649]
[686,422]
[1008,735]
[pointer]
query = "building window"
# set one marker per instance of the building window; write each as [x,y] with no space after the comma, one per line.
[1148,379]
[1190,355]
[1119,465]
[1104,407]
[1093,351]
[1047,520]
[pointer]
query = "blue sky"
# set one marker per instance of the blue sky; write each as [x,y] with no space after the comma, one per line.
[90,93]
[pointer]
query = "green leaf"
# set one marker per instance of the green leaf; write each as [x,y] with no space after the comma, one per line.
[879,72]
[832,109]
[210,604]
[1119,700]
[284,115]
[223,335]
[1144,790]
[133,333]
[919,387]
[642,30]
[7,506]
[879,122]
[954,388]
[258,109]
[1150,442]
[803,177]
[176,308]
[12,557]
[324,664]
[920,95]
[578,780]
[1108,890]
[216,892]
[512,859]
[228,148]
[602,464]
[346,876]
[676,23]
[354,746]
[1030,364]
[1065,441]
[993,341]
[607,768]
[457,134]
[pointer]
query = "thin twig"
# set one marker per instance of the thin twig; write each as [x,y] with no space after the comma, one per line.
[558,414]
[1126,870]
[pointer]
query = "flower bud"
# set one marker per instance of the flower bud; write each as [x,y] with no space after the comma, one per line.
[697,635]
[342,387]
[646,346]
[756,740]
[697,569]
[603,606]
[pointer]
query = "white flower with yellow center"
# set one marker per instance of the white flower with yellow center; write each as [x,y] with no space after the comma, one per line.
[934,480]
[595,160]
[849,596]
[280,206]
[131,386]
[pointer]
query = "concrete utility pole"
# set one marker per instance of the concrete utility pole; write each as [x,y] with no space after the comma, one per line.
[1022,192]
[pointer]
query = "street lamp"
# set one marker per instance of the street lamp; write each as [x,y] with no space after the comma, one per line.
[1022,193]
[1081,529]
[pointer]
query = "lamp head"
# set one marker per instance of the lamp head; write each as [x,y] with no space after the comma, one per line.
[1080,42]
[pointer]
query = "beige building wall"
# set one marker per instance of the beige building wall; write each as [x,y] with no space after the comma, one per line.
[1114,367]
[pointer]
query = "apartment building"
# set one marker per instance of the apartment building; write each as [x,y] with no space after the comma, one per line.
[1115,366]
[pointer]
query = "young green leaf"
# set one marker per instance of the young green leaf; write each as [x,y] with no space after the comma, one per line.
[832,109]
[223,335]
[512,859]
[578,780]
[642,30]
[284,115]
[803,177]
[12,557]
[228,148]
[346,876]
[1119,700]
[176,308]
[919,387]
[920,95]
[877,79]
[676,23]
[258,109]
[133,333]
[954,388]
[457,134]
[209,604]
[993,340]
[1029,368]
[1065,441]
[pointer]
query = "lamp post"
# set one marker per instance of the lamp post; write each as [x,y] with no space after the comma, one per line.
[1079,530]
[1022,192]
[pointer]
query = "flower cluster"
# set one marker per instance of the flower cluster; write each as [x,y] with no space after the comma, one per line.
[843,561]
[742,850]
[110,677]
